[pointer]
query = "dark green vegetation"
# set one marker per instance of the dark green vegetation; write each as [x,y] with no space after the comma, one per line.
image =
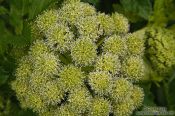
[15,38]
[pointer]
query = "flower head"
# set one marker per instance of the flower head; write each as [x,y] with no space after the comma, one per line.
[46,20]
[80,100]
[100,82]
[82,62]
[137,96]
[83,52]
[106,23]
[89,27]
[133,68]
[120,23]
[135,44]
[115,45]
[121,90]
[78,9]
[124,109]
[59,37]
[108,62]
[100,107]
[71,77]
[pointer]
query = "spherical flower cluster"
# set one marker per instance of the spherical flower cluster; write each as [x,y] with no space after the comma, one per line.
[161,50]
[59,38]
[97,105]
[78,10]
[71,77]
[133,67]
[135,43]
[108,62]
[84,63]
[46,19]
[122,89]
[84,52]
[115,45]
[121,23]
[100,82]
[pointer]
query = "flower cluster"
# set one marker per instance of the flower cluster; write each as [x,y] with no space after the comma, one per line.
[83,62]
[161,50]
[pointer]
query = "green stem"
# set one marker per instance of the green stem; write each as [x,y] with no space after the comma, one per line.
[101,40]
[166,88]
[171,78]
[63,59]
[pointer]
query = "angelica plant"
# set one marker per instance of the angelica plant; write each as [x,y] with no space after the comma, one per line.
[83,62]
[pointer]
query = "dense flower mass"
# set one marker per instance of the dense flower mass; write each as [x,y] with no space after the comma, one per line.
[83,62]
[161,49]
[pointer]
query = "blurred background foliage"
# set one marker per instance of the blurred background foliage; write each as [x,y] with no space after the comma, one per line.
[15,37]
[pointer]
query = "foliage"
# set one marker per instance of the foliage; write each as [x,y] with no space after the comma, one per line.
[135,10]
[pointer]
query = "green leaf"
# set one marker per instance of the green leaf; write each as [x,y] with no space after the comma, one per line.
[94,2]
[24,39]
[171,95]
[37,6]
[134,10]
[158,18]
[142,8]
[21,9]
[5,35]
[149,97]
[3,10]
[16,15]
[3,76]
[169,91]
[163,12]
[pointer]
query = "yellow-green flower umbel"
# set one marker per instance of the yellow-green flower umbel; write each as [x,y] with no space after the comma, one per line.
[161,50]
[133,68]
[82,63]
[108,62]
[100,82]
[115,45]
[100,107]
[83,52]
